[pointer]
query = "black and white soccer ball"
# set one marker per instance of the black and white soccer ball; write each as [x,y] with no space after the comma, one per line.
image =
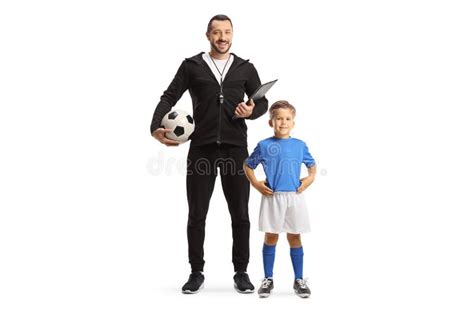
[180,123]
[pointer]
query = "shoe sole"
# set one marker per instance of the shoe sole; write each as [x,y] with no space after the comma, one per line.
[247,291]
[193,292]
[264,295]
[303,295]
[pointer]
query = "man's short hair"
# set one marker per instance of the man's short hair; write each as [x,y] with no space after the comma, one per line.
[219,17]
[282,104]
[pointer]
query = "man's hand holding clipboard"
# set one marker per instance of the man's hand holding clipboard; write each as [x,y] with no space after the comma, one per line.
[244,110]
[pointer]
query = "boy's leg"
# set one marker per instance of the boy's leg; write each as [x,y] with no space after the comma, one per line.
[296,253]
[268,252]
[200,179]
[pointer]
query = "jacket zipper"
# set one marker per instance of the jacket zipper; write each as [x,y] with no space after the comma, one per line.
[221,96]
[221,101]
[221,104]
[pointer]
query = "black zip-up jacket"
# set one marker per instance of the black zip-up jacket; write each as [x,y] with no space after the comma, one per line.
[214,121]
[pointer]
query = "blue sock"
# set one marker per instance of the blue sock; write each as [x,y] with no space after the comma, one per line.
[268,260]
[297,260]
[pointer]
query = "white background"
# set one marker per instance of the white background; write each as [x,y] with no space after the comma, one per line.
[93,210]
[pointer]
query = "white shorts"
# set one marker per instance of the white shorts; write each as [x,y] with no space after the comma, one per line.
[284,212]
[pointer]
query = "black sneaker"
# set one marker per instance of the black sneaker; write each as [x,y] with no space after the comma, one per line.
[242,283]
[194,284]
[266,288]
[301,288]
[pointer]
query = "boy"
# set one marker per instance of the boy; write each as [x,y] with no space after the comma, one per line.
[283,208]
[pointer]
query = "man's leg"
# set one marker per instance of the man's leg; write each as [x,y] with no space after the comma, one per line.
[199,185]
[236,190]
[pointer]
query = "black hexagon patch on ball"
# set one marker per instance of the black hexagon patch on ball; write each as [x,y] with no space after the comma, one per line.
[172,115]
[178,131]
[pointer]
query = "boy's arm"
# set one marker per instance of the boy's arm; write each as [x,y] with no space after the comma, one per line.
[259,185]
[306,181]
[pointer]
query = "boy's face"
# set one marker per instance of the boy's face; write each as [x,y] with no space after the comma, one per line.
[282,122]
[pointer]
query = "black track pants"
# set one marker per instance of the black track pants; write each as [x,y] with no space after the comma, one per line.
[203,164]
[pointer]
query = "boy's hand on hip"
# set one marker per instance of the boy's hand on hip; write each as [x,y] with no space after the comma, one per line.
[305,183]
[262,188]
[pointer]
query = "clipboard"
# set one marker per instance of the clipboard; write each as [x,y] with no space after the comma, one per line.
[259,93]
[262,90]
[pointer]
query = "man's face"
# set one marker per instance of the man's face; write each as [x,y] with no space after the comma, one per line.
[282,122]
[220,36]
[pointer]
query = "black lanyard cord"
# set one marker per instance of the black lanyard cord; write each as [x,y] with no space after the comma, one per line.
[221,96]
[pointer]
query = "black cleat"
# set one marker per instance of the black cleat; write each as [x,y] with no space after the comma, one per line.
[266,288]
[301,288]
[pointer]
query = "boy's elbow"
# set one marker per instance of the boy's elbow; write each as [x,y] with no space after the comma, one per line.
[246,167]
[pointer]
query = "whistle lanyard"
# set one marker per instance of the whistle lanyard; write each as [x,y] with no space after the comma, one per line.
[221,95]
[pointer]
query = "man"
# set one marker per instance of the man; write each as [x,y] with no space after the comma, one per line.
[217,82]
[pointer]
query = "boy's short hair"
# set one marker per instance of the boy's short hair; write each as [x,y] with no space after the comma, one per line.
[282,104]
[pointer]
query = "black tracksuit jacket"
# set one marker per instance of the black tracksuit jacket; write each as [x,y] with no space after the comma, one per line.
[214,121]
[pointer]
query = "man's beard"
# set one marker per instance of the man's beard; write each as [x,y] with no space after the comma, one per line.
[217,49]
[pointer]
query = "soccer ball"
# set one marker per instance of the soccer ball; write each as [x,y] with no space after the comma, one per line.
[180,123]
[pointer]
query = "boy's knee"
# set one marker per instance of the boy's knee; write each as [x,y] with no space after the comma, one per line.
[271,239]
[294,240]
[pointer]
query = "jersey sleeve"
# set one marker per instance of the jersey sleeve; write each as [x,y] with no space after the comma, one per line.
[308,159]
[255,158]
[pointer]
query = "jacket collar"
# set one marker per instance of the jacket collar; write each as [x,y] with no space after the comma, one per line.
[198,59]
